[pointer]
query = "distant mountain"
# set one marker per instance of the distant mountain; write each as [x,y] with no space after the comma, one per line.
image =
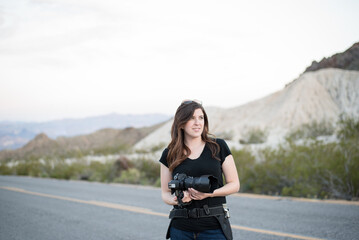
[16,134]
[103,140]
[319,96]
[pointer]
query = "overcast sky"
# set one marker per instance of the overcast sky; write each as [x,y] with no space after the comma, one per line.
[78,58]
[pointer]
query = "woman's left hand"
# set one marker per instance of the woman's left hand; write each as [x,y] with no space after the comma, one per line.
[196,195]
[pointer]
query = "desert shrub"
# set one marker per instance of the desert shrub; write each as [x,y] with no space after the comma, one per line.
[317,169]
[28,168]
[4,169]
[102,172]
[61,170]
[131,175]
[348,128]
[312,131]
[245,163]
[254,136]
[150,170]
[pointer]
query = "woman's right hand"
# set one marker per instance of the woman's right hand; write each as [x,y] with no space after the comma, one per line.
[186,197]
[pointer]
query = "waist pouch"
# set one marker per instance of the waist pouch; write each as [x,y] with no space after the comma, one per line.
[217,212]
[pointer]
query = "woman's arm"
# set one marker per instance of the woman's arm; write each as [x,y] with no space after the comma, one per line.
[232,182]
[167,197]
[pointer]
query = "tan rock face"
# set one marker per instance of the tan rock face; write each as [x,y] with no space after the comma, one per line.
[315,96]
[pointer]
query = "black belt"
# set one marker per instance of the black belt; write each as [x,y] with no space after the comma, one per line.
[196,212]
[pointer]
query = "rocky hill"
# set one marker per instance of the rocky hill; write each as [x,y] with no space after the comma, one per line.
[319,96]
[105,140]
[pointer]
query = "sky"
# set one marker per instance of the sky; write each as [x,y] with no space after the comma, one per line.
[79,58]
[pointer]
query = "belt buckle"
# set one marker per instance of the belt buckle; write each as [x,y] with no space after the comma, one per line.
[193,213]
[226,211]
[206,209]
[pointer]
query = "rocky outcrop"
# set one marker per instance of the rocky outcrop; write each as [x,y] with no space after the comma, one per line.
[348,60]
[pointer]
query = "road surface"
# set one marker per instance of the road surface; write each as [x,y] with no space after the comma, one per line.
[35,208]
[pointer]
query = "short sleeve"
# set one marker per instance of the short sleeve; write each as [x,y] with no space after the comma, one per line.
[163,158]
[224,149]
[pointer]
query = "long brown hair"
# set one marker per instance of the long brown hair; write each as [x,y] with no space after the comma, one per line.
[177,149]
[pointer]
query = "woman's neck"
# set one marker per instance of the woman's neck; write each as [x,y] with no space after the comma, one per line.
[193,142]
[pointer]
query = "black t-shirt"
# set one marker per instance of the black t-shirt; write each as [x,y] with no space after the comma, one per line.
[205,164]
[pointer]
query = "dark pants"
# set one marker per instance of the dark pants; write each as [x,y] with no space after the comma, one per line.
[215,234]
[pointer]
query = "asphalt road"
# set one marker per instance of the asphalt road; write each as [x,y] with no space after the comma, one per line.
[34,208]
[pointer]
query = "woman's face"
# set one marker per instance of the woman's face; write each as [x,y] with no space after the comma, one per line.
[194,126]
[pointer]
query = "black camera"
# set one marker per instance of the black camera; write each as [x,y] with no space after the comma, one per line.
[182,182]
[205,183]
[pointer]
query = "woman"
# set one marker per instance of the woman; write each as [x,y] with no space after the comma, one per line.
[192,152]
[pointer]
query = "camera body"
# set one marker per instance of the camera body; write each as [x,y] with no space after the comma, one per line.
[182,182]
